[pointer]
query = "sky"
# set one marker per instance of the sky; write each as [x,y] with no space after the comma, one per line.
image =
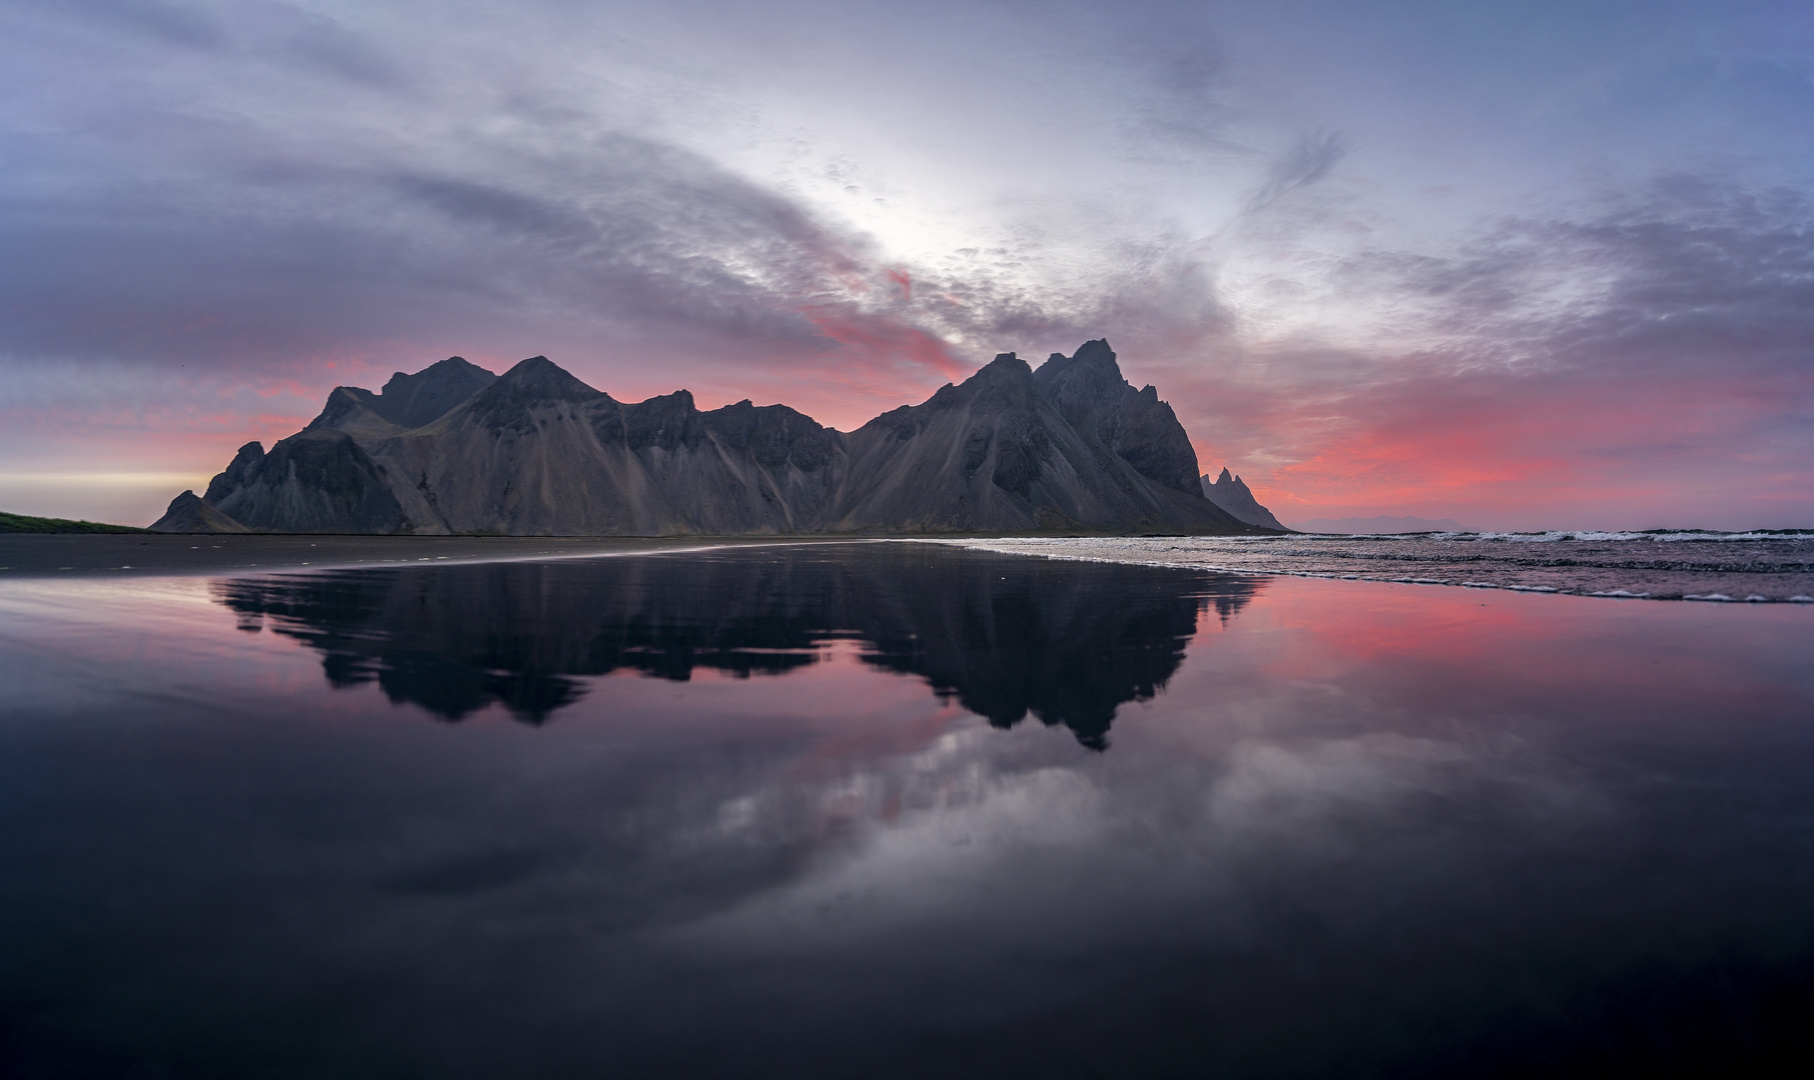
[1532,265]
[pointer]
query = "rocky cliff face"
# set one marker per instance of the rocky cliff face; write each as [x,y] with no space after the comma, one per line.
[454,449]
[1232,495]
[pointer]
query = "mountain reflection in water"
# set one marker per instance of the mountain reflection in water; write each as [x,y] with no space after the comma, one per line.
[1067,642]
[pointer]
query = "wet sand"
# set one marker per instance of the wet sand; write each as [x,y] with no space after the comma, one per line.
[30,555]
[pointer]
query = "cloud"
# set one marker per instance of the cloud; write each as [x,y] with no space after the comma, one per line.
[330,45]
[1308,161]
[244,226]
[319,186]
[1682,276]
[1640,351]
[176,24]
[617,231]
[1186,70]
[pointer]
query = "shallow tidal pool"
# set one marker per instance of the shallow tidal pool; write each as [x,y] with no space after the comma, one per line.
[896,810]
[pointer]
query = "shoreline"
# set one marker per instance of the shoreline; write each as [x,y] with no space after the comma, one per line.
[24,554]
[64,555]
[42,556]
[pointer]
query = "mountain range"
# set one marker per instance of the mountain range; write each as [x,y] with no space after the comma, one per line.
[1070,447]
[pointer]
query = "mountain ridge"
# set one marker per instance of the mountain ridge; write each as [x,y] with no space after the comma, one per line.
[536,451]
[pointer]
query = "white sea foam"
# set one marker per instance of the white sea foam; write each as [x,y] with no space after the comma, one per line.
[1528,562]
[1602,536]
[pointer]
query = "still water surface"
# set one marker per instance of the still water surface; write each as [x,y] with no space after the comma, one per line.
[877,810]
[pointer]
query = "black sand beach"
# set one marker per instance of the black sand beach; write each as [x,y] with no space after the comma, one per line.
[33,555]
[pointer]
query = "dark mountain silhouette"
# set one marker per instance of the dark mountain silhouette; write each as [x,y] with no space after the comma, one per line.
[1004,635]
[1231,494]
[454,449]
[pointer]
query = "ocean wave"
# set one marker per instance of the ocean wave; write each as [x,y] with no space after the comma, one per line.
[1661,536]
[1781,571]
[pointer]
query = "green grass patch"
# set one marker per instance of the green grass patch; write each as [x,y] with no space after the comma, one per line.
[21,523]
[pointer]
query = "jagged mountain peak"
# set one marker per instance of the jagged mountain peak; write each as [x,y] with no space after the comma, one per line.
[1232,494]
[774,434]
[1094,351]
[1005,380]
[1092,395]
[1005,383]
[1084,381]
[1093,365]
[243,465]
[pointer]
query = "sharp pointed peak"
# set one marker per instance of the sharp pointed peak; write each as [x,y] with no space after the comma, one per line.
[1093,356]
